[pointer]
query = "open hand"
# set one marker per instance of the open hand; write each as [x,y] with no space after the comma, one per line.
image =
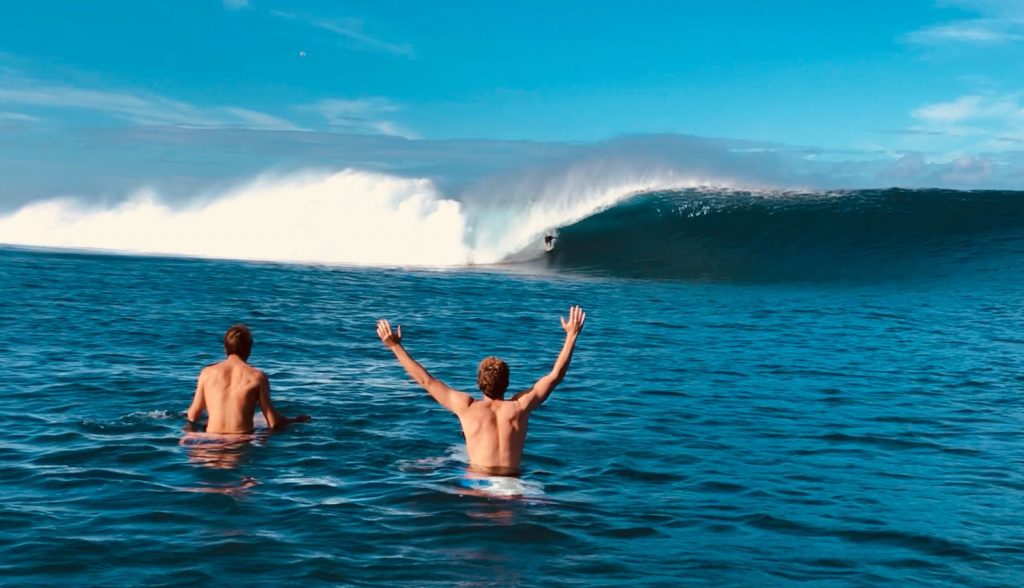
[388,337]
[574,325]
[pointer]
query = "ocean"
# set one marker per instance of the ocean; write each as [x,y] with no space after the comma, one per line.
[772,389]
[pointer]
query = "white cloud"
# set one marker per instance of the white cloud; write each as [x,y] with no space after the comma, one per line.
[953,170]
[237,4]
[363,115]
[979,32]
[997,22]
[137,108]
[18,117]
[353,30]
[979,123]
[962,108]
[968,169]
[258,120]
[343,112]
[367,116]
[385,127]
[1003,110]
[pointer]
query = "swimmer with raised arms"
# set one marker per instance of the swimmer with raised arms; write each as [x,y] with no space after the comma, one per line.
[495,428]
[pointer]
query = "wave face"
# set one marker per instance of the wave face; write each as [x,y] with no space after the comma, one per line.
[742,236]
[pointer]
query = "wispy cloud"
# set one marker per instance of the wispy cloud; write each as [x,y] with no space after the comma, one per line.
[919,132]
[364,115]
[69,103]
[977,32]
[969,124]
[237,4]
[136,108]
[1003,110]
[258,120]
[18,117]
[962,108]
[353,31]
[997,22]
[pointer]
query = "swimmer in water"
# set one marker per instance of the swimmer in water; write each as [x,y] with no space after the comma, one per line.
[231,390]
[495,428]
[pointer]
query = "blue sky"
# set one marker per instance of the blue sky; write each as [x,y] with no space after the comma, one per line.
[97,96]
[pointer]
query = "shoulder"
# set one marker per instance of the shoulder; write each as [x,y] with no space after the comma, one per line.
[462,403]
[520,395]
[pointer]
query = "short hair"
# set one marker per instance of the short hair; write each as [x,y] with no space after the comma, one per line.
[238,341]
[492,377]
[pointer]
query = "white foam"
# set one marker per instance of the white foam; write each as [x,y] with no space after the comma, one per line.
[155,414]
[502,486]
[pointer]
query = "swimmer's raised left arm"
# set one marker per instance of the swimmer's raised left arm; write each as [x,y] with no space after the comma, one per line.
[453,400]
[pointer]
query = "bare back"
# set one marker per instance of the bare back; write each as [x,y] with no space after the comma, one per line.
[230,392]
[495,432]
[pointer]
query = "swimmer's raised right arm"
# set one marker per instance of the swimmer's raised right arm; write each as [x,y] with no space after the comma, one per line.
[535,396]
[451,399]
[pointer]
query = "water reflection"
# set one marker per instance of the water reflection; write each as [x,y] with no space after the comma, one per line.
[221,452]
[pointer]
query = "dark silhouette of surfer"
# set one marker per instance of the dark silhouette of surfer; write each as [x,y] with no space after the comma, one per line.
[549,242]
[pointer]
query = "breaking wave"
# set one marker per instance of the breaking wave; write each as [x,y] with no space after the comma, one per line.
[645,225]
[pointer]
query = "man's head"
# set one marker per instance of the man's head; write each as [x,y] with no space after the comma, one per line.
[492,377]
[238,341]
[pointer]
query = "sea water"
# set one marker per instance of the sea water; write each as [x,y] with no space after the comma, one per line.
[818,390]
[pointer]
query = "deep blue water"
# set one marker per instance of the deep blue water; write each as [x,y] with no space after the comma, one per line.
[818,425]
